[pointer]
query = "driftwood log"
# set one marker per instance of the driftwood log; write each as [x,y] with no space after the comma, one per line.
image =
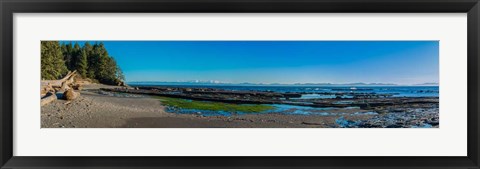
[70,94]
[50,87]
[58,85]
[77,87]
[46,89]
[49,97]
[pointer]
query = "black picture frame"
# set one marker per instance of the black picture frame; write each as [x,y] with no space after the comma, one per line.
[9,7]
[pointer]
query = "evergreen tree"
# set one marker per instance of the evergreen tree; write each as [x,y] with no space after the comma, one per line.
[76,54]
[105,66]
[88,49]
[52,60]
[119,75]
[68,55]
[110,71]
[92,62]
[95,61]
[82,63]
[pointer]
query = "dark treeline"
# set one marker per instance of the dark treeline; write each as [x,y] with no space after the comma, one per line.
[90,61]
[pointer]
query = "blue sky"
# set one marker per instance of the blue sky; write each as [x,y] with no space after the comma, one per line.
[399,62]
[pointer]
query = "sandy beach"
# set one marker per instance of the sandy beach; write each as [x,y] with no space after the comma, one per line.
[97,108]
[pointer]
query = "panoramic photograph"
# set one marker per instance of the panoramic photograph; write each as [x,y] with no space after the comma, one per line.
[239,84]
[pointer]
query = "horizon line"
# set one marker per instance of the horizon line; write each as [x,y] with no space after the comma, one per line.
[308,83]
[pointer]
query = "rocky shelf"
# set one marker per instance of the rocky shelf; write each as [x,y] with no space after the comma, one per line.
[368,101]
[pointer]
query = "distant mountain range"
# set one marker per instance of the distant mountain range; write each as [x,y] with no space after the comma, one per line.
[427,84]
[349,84]
[216,82]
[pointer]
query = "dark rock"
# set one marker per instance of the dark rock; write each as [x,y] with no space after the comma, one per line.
[310,123]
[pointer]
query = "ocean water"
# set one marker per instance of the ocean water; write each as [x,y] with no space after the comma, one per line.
[324,91]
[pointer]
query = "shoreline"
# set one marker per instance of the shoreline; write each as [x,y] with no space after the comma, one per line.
[94,109]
